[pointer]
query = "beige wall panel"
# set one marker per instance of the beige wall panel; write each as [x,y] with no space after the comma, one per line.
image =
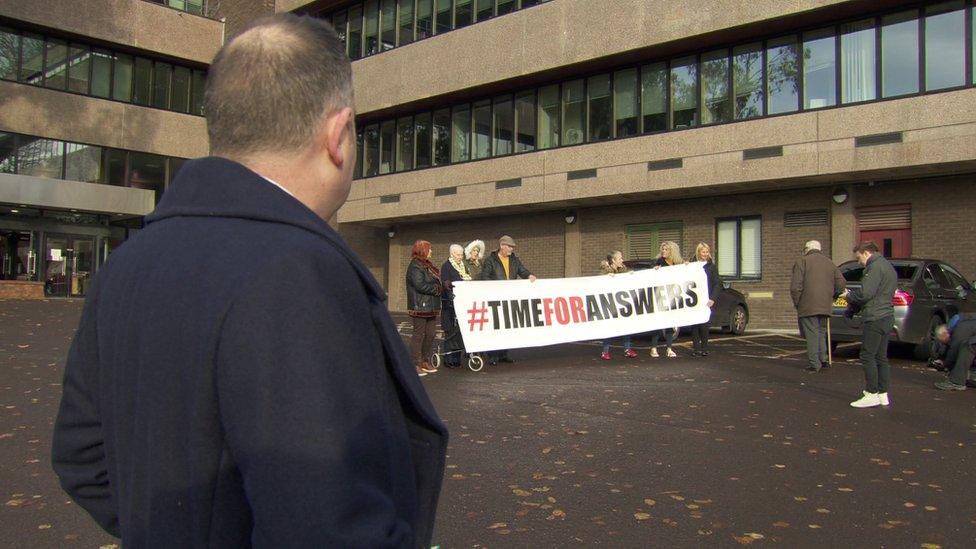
[927,111]
[290,5]
[58,115]
[135,23]
[921,148]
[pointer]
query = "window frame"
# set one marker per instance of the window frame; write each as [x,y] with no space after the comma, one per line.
[738,219]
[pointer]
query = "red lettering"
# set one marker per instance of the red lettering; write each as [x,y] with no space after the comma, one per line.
[562,311]
[576,304]
[547,305]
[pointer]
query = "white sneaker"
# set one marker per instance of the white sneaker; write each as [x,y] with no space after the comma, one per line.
[867,401]
[671,354]
[883,397]
[654,352]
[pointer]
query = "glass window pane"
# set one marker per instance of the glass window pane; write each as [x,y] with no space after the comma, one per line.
[462,13]
[527,3]
[782,70]
[113,172]
[83,163]
[747,64]
[684,92]
[32,59]
[422,135]
[819,76]
[387,139]
[147,171]
[8,153]
[425,19]
[574,111]
[503,115]
[404,152]
[945,45]
[197,92]
[549,116]
[405,36]
[857,62]
[339,21]
[525,121]
[600,107]
[161,84]
[442,137]
[727,249]
[716,106]
[372,30]
[481,115]
[101,73]
[371,150]
[461,134]
[388,25]
[56,64]
[79,66]
[625,103]
[180,97]
[751,248]
[9,53]
[486,9]
[354,42]
[506,6]
[40,157]
[444,15]
[357,170]
[122,81]
[174,168]
[899,54]
[654,97]
[195,6]
[142,81]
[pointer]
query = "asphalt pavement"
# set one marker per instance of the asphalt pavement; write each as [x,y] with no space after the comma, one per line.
[563,449]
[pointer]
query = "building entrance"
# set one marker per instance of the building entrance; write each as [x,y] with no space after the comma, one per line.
[68,262]
[18,260]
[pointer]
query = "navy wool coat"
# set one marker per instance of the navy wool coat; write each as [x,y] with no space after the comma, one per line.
[236,381]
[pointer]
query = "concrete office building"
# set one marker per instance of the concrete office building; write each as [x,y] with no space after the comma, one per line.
[583,126]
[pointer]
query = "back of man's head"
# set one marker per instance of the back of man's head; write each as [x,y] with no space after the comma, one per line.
[270,86]
[811,245]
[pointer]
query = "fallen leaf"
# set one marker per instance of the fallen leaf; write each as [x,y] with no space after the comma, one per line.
[556,514]
[43,526]
[642,516]
[650,502]
[781,524]
[823,511]
[521,493]
[497,525]
[931,508]
[909,504]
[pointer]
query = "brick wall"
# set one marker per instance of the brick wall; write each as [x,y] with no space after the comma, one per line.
[371,245]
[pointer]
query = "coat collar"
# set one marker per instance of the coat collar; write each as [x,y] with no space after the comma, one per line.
[217,187]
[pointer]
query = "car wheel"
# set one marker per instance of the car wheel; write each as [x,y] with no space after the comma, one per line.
[924,349]
[738,319]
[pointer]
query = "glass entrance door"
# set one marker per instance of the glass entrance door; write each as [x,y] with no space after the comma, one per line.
[18,260]
[68,261]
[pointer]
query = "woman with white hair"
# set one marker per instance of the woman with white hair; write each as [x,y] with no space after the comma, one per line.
[670,255]
[452,271]
[474,253]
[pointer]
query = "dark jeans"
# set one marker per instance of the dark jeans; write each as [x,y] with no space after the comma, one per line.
[608,342]
[422,340]
[668,334]
[814,330]
[699,336]
[964,361]
[874,355]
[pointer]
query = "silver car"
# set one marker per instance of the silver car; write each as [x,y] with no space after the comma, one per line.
[929,293]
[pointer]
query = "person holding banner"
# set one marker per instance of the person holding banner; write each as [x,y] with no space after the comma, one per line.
[614,264]
[452,271]
[670,255]
[503,264]
[699,332]
[423,304]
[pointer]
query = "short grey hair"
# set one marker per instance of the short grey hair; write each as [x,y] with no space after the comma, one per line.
[456,248]
[941,331]
[270,86]
[811,245]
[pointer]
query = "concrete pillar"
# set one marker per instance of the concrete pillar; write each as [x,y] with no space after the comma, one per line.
[843,235]
[396,283]
[574,252]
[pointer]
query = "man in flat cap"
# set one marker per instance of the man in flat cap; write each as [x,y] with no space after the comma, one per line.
[503,264]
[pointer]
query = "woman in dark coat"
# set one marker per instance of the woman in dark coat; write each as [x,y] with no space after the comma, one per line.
[423,304]
[670,255]
[699,332]
[453,270]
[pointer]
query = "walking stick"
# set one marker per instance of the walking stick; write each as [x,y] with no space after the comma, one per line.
[830,353]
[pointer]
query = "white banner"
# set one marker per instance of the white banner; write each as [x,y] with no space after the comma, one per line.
[509,314]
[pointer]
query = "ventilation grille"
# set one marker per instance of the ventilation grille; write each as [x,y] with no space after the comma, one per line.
[669,164]
[644,241]
[812,218]
[446,191]
[877,139]
[580,174]
[389,199]
[762,152]
[508,183]
[885,217]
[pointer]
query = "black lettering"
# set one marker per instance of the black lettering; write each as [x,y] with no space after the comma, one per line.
[494,313]
[521,313]
[626,309]
[592,309]
[642,300]
[537,312]
[606,306]
[674,296]
[508,320]
[692,297]
[660,299]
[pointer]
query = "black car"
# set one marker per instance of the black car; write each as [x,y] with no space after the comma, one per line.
[730,311]
[929,293]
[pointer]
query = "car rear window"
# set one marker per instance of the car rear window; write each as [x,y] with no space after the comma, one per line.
[853,273]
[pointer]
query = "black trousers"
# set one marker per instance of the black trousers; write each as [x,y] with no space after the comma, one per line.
[422,340]
[874,355]
[699,336]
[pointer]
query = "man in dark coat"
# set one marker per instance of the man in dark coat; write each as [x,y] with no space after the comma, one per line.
[961,341]
[503,264]
[215,400]
[816,281]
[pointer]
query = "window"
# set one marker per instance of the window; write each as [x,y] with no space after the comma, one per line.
[371,150]
[899,54]
[122,80]
[644,241]
[113,172]
[486,9]
[9,54]
[161,82]
[599,108]
[716,106]
[79,66]
[40,157]
[654,97]
[782,70]
[425,19]
[354,43]
[506,6]
[739,247]
[819,78]
[141,81]
[388,25]
[525,121]
[31,59]
[196,92]
[548,126]
[8,153]
[857,62]
[147,171]
[339,21]
[442,137]
[404,151]
[421,132]
[180,96]
[747,75]
[387,138]
[625,103]
[684,92]
[460,133]
[481,114]
[83,163]
[503,115]
[444,15]
[372,30]
[574,111]
[55,64]
[357,170]
[462,13]
[406,23]
[945,45]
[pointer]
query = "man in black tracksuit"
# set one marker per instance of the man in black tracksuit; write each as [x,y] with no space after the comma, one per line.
[503,264]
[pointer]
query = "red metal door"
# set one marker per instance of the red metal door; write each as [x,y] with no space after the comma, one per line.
[891,242]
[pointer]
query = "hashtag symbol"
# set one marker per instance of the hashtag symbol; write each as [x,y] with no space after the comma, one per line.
[477,316]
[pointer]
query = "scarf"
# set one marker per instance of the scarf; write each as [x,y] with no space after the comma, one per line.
[461,268]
